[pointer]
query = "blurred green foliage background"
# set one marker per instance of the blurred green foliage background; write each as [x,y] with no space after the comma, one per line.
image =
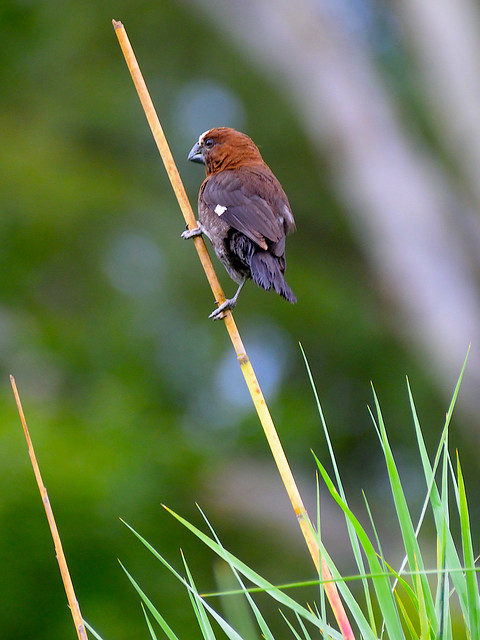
[133,397]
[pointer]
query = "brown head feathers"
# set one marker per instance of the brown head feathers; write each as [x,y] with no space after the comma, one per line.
[224,148]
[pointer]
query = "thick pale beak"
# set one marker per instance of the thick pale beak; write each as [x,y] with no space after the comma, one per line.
[196,154]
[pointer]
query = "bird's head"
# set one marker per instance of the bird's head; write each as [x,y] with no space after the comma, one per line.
[224,148]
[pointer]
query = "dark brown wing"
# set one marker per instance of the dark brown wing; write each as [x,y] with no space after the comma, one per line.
[252,201]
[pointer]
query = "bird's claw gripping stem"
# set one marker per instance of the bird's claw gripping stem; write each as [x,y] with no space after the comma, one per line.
[229,303]
[219,313]
[192,233]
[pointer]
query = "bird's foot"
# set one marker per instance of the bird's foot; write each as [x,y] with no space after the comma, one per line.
[192,233]
[229,303]
[219,313]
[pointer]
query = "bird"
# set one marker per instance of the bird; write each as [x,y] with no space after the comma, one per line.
[244,212]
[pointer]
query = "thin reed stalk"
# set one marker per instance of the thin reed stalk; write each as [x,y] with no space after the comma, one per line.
[245,364]
[62,563]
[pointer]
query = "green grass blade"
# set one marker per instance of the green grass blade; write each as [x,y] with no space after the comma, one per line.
[408,621]
[409,536]
[229,631]
[381,556]
[248,573]
[149,624]
[197,605]
[294,632]
[442,598]
[197,599]
[92,630]
[155,553]
[324,425]
[468,558]
[306,635]
[366,631]
[203,608]
[425,629]
[351,602]
[234,606]
[400,579]
[264,628]
[439,502]
[381,582]
[296,635]
[150,606]
[351,531]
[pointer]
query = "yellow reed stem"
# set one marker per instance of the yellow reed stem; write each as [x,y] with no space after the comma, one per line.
[245,364]
[62,563]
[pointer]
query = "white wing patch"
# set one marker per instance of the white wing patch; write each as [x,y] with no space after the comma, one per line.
[220,209]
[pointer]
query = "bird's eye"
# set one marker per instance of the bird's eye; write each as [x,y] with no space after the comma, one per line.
[208,143]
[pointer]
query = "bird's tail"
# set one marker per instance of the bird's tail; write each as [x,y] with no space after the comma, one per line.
[267,273]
